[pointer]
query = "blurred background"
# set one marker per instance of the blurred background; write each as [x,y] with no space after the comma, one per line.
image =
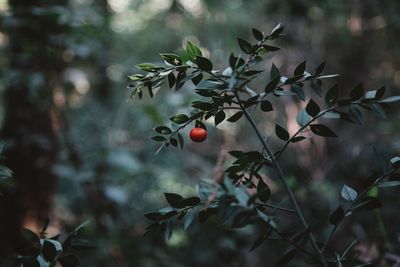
[80,149]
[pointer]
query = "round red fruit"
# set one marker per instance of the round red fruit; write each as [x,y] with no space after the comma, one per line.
[198,134]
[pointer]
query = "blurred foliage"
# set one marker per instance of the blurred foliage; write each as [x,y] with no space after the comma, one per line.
[105,166]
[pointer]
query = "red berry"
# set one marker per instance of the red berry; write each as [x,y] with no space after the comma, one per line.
[198,134]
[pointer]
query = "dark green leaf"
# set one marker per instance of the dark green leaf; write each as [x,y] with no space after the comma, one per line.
[369,203]
[298,139]
[242,219]
[278,29]
[155,216]
[357,92]
[390,99]
[174,200]
[159,138]
[197,79]
[172,59]
[219,117]
[244,46]
[300,69]
[332,95]
[179,119]
[204,63]
[162,130]
[281,132]
[337,216]
[191,201]
[235,117]
[263,191]
[180,80]
[258,34]
[49,250]
[173,142]
[266,106]
[270,48]
[322,130]
[171,80]
[395,161]
[320,68]
[274,72]
[312,108]
[272,84]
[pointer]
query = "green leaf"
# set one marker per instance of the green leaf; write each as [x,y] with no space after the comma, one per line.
[278,29]
[332,95]
[244,46]
[378,110]
[258,34]
[322,130]
[197,79]
[266,106]
[274,72]
[69,261]
[369,203]
[189,218]
[270,48]
[235,117]
[320,68]
[298,139]
[312,108]
[281,132]
[300,69]
[191,201]
[162,130]
[180,140]
[172,59]
[219,117]
[180,80]
[174,200]
[146,67]
[80,244]
[390,99]
[192,50]
[180,119]
[357,92]
[159,138]
[337,216]
[204,63]
[272,84]
[348,193]
[263,191]
[171,80]
[355,115]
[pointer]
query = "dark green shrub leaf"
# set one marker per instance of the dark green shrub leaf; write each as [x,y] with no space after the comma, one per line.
[332,95]
[322,130]
[272,84]
[337,216]
[274,72]
[172,59]
[355,115]
[197,79]
[298,90]
[258,34]
[219,117]
[235,117]
[357,92]
[174,200]
[300,69]
[159,138]
[263,191]
[171,80]
[270,48]
[312,108]
[242,219]
[281,132]
[348,193]
[179,119]
[244,46]
[266,106]
[50,249]
[369,203]
[162,130]
[204,63]
[191,201]
[320,68]
[278,29]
